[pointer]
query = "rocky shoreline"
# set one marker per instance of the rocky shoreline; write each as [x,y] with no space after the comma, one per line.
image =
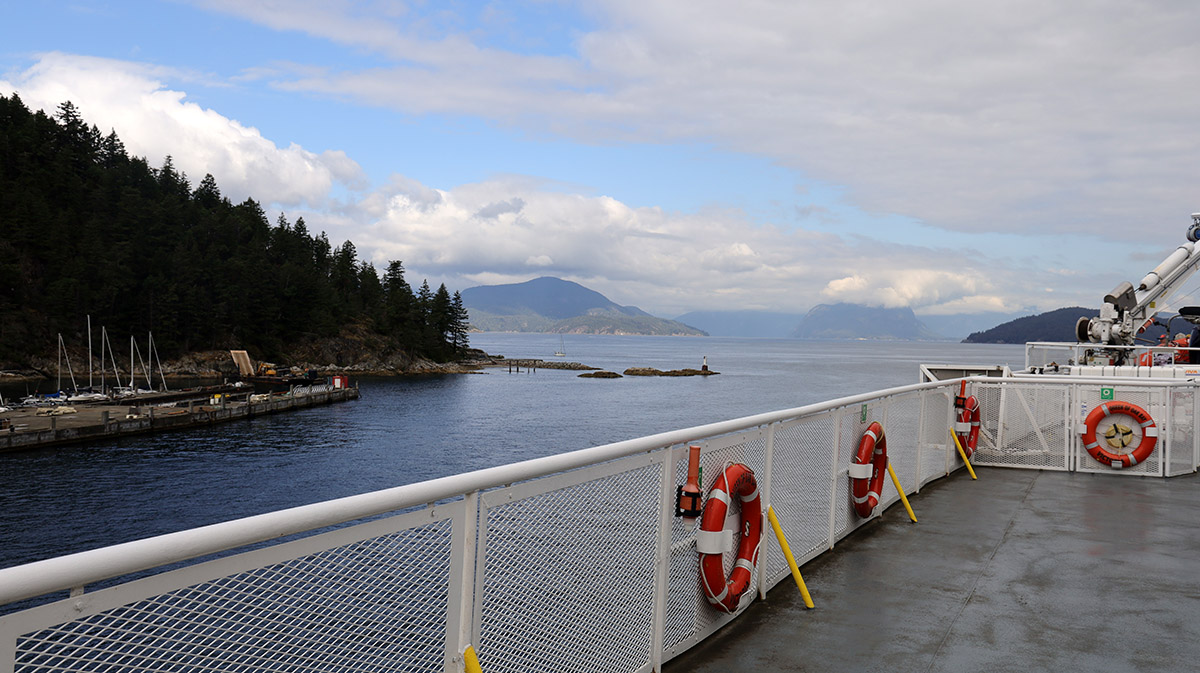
[218,365]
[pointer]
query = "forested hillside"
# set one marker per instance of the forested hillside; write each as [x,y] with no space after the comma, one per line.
[86,229]
[1056,325]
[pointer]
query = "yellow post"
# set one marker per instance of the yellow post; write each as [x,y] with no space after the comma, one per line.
[900,490]
[787,553]
[963,454]
[471,661]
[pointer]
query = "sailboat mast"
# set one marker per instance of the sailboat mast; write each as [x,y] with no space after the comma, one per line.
[58,386]
[63,348]
[113,355]
[90,367]
[154,353]
[145,369]
[131,369]
[103,334]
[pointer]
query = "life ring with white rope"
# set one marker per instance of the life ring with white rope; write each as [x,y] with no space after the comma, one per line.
[967,427]
[1118,436]
[712,540]
[867,470]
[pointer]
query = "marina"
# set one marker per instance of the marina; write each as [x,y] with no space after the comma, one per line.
[37,427]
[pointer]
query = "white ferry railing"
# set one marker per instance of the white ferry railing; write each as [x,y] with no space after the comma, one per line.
[1042,354]
[1035,421]
[571,562]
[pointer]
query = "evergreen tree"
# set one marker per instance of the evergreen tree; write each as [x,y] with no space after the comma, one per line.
[371,293]
[400,316]
[459,323]
[441,319]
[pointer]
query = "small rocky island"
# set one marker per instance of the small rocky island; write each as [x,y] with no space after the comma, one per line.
[648,371]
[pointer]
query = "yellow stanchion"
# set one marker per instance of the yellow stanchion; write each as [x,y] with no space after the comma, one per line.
[900,490]
[471,660]
[963,454]
[787,553]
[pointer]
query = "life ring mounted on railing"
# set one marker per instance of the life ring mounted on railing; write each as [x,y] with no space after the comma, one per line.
[867,470]
[1119,436]
[967,427]
[712,540]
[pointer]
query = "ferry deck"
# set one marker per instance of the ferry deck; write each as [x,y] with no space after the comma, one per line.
[1021,570]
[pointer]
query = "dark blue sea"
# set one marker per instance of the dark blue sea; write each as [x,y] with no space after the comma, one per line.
[403,430]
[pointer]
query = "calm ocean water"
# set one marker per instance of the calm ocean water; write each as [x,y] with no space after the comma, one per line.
[58,501]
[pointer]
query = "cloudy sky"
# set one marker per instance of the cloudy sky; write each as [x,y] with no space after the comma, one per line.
[952,157]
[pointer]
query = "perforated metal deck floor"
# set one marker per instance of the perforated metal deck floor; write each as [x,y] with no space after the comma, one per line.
[1018,571]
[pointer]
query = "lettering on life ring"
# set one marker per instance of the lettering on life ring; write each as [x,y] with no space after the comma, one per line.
[867,470]
[1118,435]
[726,593]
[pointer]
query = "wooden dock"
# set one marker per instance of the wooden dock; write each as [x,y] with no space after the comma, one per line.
[32,428]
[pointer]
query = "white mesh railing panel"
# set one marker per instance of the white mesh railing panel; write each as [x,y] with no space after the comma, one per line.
[1029,430]
[849,432]
[1149,399]
[935,433]
[903,428]
[567,575]
[801,488]
[1183,431]
[378,604]
[988,397]
[1044,355]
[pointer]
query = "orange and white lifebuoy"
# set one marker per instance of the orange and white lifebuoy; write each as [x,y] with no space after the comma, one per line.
[712,541]
[1118,435]
[968,426]
[867,470]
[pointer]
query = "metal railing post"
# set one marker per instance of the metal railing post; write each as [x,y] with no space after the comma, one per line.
[923,396]
[765,486]
[462,571]
[662,578]
[833,471]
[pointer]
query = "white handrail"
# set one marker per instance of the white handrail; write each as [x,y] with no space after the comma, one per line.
[80,569]
[1094,380]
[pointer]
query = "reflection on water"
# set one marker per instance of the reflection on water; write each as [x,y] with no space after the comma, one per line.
[404,430]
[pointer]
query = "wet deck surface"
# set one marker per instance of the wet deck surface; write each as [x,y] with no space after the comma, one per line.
[1018,571]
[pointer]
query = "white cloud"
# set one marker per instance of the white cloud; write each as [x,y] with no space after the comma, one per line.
[669,262]
[1022,116]
[895,287]
[154,121]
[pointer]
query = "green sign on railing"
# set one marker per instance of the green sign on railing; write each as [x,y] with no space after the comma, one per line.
[1106,393]
[863,417]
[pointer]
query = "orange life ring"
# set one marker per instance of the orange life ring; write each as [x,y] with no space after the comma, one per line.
[969,414]
[726,593]
[867,470]
[1119,460]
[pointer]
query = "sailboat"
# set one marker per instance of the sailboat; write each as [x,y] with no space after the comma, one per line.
[562,348]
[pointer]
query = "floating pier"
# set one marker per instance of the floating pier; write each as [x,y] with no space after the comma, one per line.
[32,428]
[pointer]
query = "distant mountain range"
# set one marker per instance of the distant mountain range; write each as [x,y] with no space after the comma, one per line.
[854,321]
[743,323]
[554,305]
[779,325]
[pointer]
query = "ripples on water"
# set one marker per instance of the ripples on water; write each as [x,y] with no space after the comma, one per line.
[69,499]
